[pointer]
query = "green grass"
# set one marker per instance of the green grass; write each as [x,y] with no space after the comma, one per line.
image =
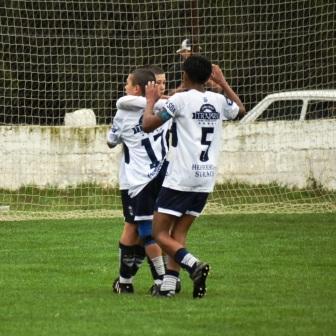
[81,197]
[229,197]
[271,275]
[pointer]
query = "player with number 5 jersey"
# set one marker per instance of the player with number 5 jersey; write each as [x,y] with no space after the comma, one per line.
[197,117]
[196,138]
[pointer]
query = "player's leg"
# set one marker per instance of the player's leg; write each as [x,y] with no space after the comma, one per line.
[168,228]
[179,233]
[128,239]
[186,206]
[139,256]
[198,271]
[162,224]
[131,252]
[153,251]
[131,243]
[171,266]
[144,204]
[168,234]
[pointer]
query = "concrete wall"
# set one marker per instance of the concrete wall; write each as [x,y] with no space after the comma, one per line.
[56,156]
[289,153]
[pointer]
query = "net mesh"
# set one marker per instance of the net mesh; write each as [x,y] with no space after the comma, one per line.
[65,55]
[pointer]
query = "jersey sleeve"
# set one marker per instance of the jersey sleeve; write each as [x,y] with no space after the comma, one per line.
[172,105]
[114,133]
[131,103]
[230,109]
[136,103]
[159,104]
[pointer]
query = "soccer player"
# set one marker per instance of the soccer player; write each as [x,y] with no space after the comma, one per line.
[160,78]
[141,173]
[197,115]
[130,235]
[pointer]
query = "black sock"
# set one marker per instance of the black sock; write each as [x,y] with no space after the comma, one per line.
[126,260]
[139,257]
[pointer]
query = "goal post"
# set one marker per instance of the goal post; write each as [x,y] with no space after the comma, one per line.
[61,56]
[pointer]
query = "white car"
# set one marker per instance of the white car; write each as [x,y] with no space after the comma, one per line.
[294,105]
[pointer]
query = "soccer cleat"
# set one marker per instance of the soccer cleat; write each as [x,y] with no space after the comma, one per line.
[122,288]
[178,286]
[154,290]
[198,276]
[164,294]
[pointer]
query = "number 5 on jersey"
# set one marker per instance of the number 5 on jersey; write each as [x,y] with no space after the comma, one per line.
[206,132]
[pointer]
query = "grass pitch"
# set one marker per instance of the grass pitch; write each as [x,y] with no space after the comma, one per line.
[271,275]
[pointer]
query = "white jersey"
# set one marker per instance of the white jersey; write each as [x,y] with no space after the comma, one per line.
[197,129]
[144,153]
[135,103]
[123,182]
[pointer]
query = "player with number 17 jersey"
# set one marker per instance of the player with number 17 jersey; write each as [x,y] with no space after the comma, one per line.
[197,118]
[144,153]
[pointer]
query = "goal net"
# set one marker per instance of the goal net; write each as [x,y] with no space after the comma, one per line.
[61,56]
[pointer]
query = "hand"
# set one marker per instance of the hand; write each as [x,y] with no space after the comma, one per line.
[152,92]
[217,75]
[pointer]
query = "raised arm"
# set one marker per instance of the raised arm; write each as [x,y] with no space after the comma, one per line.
[135,103]
[217,76]
[131,103]
[150,120]
[213,86]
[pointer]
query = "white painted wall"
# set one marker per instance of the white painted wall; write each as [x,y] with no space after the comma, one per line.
[56,156]
[289,153]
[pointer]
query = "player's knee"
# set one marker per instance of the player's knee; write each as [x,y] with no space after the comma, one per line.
[145,232]
[129,236]
[148,240]
[159,237]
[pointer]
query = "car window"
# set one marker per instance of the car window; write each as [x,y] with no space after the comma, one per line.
[282,110]
[321,110]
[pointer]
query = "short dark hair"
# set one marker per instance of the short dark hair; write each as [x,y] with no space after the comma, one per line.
[141,77]
[198,68]
[154,68]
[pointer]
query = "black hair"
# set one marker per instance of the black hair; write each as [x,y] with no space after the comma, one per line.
[154,68]
[141,77]
[198,68]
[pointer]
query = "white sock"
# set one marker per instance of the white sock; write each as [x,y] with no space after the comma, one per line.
[159,265]
[189,260]
[125,280]
[169,283]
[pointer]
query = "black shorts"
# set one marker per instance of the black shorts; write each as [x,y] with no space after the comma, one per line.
[144,202]
[128,206]
[178,203]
